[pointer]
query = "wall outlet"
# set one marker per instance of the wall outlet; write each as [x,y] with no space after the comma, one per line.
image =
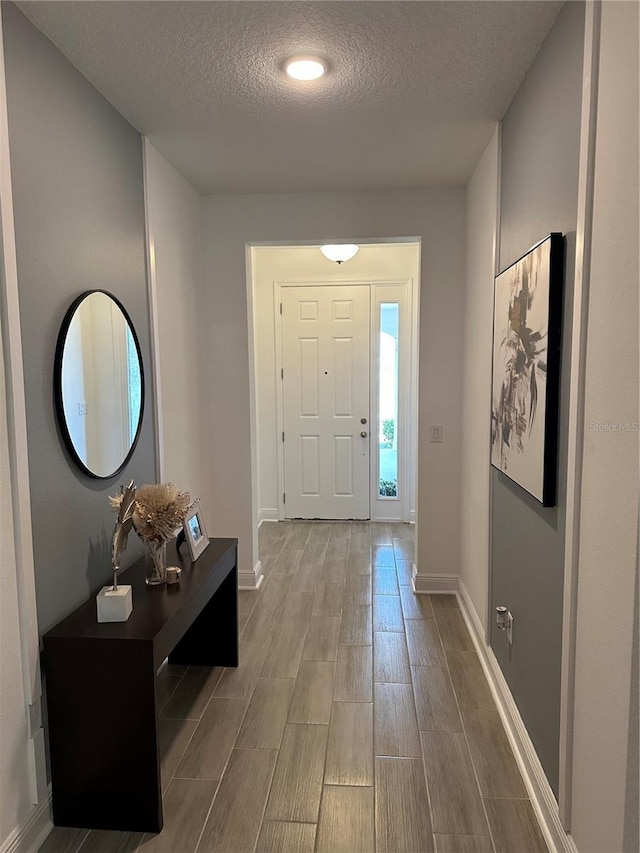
[436,434]
[82,407]
[510,628]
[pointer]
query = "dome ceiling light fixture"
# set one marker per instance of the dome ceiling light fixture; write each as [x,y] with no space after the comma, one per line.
[340,252]
[305,67]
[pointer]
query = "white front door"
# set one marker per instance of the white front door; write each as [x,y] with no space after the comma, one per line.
[325,357]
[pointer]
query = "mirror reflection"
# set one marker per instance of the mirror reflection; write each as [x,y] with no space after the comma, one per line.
[99,384]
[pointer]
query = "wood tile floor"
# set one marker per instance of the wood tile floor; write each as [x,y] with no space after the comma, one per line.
[359,718]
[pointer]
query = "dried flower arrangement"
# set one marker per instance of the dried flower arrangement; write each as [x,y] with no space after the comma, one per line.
[159,510]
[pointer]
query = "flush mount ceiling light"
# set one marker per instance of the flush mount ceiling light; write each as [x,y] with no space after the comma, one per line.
[305,67]
[339,252]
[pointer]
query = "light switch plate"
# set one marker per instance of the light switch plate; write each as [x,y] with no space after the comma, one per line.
[436,434]
[510,628]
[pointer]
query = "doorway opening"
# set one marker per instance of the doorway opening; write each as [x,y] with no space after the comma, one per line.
[334,381]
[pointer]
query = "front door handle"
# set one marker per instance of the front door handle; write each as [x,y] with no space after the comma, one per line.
[363,434]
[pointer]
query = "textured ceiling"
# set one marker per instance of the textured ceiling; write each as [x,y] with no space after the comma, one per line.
[410,100]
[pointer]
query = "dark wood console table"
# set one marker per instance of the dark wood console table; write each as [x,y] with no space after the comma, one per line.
[102,693]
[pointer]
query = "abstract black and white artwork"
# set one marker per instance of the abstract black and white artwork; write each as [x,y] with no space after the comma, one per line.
[526,365]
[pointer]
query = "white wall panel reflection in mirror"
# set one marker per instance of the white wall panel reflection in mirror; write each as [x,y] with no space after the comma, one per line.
[99,384]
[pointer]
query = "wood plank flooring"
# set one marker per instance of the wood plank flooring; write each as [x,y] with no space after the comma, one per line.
[359,718]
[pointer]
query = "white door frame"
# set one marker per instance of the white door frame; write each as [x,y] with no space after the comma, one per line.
[19,461]
[576,429]
[407,376]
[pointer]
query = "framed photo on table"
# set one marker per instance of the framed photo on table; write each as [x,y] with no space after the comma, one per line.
[194,531]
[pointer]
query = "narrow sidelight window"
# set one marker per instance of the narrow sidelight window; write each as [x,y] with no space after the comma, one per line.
[388,400]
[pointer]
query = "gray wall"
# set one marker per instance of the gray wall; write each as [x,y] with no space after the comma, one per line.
[79,214]
[539,188]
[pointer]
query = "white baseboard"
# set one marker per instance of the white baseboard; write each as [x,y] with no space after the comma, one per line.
[251,580]
[542,797]
[31,833]
[412,516]
[268,514]
[433,583]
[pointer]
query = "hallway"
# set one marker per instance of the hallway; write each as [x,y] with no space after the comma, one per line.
[358,720]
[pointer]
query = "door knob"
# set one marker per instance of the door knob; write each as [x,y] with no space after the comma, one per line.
[363,433]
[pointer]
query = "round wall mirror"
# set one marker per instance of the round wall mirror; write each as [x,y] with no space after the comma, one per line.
[99,384]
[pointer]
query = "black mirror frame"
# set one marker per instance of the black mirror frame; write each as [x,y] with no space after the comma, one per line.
[57,384]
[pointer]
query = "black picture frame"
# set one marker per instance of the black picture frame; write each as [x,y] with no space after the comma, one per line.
[527,330]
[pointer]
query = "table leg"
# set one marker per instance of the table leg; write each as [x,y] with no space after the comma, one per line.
[212,639]
[105,763]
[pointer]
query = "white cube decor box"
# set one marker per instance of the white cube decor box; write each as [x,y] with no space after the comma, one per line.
[114,605]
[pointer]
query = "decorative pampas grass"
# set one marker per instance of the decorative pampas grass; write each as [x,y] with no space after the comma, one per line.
[160,508]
